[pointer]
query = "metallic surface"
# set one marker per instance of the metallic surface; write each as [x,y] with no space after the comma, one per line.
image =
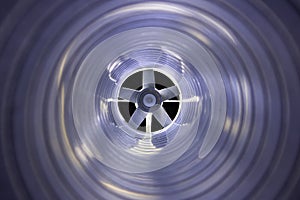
[236,64]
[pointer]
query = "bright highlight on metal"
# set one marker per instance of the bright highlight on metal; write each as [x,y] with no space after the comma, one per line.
[180,99]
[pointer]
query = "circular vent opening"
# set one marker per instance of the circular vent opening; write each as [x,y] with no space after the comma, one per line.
[149,101]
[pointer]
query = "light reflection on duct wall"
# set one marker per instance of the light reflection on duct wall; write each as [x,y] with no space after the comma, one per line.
[235,69]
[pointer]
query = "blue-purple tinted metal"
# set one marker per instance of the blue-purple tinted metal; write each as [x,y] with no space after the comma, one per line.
[236,64]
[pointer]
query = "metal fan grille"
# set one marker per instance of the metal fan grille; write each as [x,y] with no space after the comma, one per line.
[149,101]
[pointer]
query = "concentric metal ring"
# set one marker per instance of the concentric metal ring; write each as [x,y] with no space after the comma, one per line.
[237,68]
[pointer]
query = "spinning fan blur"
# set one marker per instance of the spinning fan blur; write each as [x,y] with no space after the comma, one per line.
[150,100]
